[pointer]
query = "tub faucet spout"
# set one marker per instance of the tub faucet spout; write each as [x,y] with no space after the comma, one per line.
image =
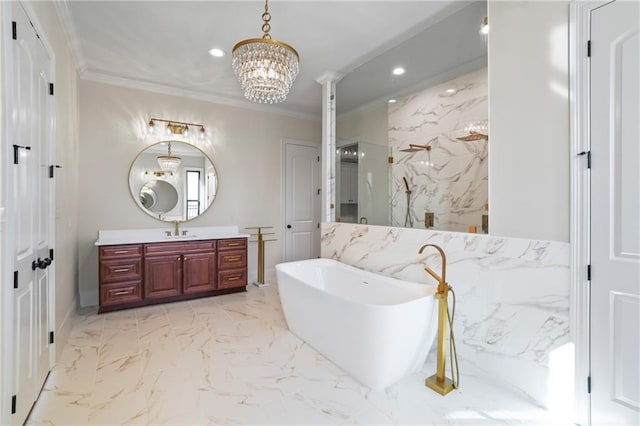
[442,278]
[439,382]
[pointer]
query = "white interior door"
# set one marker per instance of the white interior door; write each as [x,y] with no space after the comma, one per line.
[615,214]
[30,217]
[302,200]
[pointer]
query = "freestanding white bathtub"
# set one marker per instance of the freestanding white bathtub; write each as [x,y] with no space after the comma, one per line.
[378,329]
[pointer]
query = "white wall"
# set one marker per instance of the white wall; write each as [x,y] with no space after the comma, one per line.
[244,145]
[529,119]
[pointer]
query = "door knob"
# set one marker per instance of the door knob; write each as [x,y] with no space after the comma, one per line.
[288,226]
[40,263]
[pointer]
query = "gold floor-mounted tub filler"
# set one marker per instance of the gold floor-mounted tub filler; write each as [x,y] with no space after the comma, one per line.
[439,382]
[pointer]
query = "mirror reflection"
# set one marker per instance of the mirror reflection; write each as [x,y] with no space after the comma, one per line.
[172,181]
[412,147]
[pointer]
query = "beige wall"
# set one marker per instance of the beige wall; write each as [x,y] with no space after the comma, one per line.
[245,146]
[66,137]
[367,125]
[529,119]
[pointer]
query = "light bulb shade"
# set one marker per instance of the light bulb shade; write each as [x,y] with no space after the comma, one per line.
[265,68]
[169,163]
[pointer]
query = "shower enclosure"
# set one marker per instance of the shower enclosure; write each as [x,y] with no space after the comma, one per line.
[362,183]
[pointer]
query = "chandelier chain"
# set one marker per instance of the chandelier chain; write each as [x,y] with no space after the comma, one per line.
[266,18]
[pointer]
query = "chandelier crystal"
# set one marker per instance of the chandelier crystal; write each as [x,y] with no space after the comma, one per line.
[265,68]
[169,163]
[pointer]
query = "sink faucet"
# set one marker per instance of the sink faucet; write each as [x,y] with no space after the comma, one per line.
[177,228]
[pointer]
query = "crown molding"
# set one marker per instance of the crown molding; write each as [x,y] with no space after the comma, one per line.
[64,15]
[103,77]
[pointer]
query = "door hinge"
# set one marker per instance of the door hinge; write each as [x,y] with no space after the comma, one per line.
[15,279]
[318,191]
[15,152]
[588,272]
[589,48]
[51,337]
[318,226]
[14,30]
[588,384]
[51,254]
[318,158]
[588,154]
[51,89]
[51,167]
[14,403]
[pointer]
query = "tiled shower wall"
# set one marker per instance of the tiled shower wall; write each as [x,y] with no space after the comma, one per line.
[451,180]
[512,313]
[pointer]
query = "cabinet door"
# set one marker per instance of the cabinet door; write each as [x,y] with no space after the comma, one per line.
[162,276]
[348,183]
[199,272]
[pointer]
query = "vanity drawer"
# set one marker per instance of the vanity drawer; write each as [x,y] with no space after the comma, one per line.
[232,278]
[117,252]
[118,293]
[179,247]
[232,259]
[120,270]
[232,244]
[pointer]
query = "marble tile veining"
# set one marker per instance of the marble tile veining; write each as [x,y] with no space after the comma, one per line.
[232,360]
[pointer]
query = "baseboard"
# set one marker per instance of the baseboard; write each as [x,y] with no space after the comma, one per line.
[64,330]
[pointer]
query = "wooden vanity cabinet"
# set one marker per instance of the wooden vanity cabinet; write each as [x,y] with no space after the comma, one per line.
[232,263]
[172,269]
[137,275]
[120,269]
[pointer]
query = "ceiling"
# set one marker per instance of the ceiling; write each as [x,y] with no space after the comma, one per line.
[162,45]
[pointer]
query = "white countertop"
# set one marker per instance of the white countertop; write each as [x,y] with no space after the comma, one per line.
[158,235]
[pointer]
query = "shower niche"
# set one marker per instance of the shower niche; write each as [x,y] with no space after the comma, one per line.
[361,183]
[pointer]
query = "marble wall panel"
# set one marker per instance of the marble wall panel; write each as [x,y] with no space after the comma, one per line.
[451,179]
[512,310]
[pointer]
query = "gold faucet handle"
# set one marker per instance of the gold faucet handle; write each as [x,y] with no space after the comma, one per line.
[168,233]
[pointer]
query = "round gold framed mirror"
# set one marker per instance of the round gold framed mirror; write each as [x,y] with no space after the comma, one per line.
[173,180]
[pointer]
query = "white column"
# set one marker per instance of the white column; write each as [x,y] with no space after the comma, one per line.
[328,82]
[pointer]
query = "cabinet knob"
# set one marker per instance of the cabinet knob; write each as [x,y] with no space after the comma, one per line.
[288,226]
[185,258]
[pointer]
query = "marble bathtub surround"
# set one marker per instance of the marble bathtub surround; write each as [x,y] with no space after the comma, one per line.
[512,313]
[231,360]
[450,180]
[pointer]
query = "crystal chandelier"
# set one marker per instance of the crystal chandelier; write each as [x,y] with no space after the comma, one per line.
[265,68]
[169,163]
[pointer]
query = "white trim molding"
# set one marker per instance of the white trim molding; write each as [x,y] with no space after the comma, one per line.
[579,77]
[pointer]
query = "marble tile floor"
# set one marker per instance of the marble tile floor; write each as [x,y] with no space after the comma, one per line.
[231,360]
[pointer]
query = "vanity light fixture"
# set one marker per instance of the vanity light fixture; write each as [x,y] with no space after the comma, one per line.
[265,68]
[169,163]
[484,28]
[176,127]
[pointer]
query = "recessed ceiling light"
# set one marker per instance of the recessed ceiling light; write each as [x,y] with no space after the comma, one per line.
[392,101]
[398,71]
[218,53]
[451,91]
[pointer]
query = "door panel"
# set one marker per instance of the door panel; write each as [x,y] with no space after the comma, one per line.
[615,213]
[162,275]
[302,201]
